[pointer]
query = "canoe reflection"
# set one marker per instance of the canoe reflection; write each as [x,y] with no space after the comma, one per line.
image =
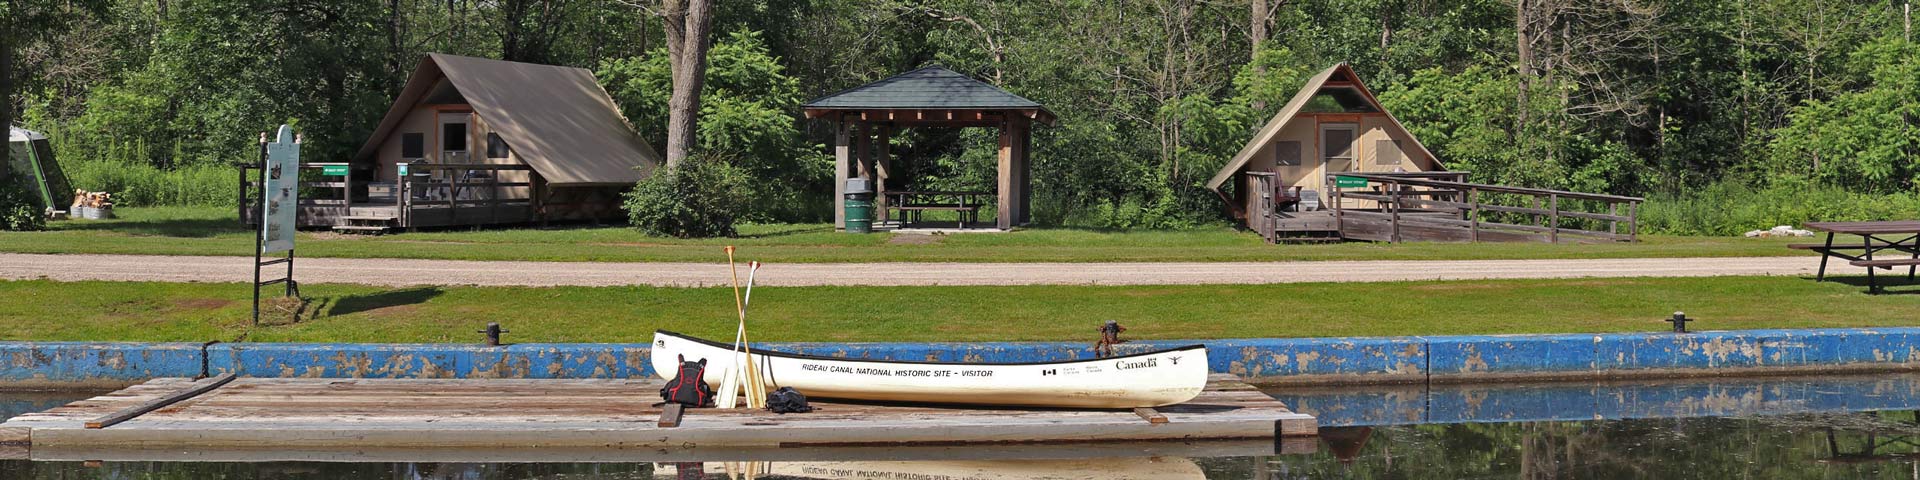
[1170,468]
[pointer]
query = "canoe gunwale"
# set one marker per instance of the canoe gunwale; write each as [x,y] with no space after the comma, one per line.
[777,353]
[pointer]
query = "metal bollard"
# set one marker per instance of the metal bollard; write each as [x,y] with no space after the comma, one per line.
[493,332]
[1679,322]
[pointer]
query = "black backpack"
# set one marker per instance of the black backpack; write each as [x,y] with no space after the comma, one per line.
[787,400]
[689,387]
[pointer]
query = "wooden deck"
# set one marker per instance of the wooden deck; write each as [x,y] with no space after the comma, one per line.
[439,413]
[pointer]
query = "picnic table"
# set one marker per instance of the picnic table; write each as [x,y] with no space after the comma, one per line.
[1896,237]
[910,204]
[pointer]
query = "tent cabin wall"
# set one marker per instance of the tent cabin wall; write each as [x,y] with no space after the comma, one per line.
[1296,155]
[425,123]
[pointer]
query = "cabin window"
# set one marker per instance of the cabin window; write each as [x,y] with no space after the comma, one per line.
[413,145]
[1286,154]
[1387,152]
[496,146]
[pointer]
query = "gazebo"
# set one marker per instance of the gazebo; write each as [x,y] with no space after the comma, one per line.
[866,116]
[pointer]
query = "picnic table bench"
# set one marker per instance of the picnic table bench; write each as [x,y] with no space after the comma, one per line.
[911,204]
[1875,237]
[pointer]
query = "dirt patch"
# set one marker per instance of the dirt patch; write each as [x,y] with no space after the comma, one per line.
[915,239]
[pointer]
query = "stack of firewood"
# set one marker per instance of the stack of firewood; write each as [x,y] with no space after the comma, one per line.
[92,205]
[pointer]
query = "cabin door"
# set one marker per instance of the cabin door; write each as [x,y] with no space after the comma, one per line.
[454,137]
[1336,152]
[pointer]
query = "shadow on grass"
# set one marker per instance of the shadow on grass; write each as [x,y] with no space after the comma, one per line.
[171,227]
[1889,282]
[351,304]
[789,231]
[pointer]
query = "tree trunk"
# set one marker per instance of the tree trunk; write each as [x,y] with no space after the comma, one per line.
[1257,30]
[1523,41]
[687,24]
[6,81]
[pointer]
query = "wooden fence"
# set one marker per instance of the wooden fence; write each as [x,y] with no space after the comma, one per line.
[1411,207]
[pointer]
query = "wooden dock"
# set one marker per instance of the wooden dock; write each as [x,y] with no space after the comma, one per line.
[319,413]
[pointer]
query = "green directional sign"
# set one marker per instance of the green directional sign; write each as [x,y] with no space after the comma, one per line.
[1344,181]
[334,170]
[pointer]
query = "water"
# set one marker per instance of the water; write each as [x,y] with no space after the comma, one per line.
[1829,427]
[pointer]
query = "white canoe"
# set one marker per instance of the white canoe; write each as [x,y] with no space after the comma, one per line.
[1125,468]
[1153,379]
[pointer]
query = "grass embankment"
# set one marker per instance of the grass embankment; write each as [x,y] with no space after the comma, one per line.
[45,310]
[212,231]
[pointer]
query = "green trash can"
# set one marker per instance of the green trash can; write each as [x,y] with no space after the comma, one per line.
[859,206]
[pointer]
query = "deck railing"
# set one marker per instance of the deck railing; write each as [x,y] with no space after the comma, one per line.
[330,194]
[1415,208]
[463,190]
[473,192]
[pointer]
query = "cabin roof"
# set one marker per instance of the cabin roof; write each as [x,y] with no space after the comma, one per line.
[556,119]
[1350,94]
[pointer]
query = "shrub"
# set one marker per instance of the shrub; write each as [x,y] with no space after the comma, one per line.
[18,210]
[1732,207]
[701,197]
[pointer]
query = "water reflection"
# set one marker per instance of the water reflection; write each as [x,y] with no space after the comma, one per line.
[1770,428]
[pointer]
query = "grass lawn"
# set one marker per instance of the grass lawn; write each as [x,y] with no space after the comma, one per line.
[213,231]
[125,311]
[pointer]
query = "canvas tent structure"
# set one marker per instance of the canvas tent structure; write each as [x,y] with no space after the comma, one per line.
[1332,125]
[473,141]
[31,164]
[1333,164]
[866,117]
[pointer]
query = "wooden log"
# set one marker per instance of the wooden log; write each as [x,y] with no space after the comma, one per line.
[670,415]
[1150,415]
[137,410]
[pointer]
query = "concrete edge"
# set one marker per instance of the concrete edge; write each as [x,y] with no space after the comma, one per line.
[1268,361]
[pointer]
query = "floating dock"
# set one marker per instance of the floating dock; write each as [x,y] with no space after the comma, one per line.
[359,413]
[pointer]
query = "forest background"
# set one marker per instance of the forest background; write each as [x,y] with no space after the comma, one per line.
[1728,114]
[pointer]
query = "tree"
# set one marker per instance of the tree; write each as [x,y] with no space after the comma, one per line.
[23,21]
[689,36]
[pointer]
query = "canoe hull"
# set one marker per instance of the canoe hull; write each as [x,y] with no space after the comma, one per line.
[1146,380]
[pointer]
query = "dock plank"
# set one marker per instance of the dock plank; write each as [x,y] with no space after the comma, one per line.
[474,413]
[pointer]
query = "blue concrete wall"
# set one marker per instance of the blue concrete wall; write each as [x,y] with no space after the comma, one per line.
[1304,360]
[36,363]
[349,360]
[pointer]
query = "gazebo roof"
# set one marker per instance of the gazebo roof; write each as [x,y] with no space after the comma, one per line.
[931,88]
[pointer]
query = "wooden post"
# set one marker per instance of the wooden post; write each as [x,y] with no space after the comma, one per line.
[1613,224]
[1025,159]
[493,197]
[882,170]
[863,152]
[1553,201]
[1007,191]
[1394,209]
[1473,204]
[842,160]
[453,194]
[1535,216]
[1633,221]
[1339,217]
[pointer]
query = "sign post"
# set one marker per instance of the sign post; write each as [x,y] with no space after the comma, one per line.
[279,207]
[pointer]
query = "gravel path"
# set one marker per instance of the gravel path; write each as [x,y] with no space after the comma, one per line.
[398,272]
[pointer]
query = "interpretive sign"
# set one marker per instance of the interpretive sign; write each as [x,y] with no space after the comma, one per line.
[280,184]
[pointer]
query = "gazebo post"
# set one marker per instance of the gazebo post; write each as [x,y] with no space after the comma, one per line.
[883,168]
[863,152]
[1007,189]
[842,159]
[1023,149]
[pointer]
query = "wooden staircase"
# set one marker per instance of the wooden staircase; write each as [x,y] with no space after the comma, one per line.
[370,221]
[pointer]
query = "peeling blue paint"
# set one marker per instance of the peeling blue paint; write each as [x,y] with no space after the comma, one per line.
[31,363]
[1296,360]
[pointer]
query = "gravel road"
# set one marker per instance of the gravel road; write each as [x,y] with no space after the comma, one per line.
[398,272]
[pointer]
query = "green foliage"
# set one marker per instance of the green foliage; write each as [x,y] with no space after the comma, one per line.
[1732,207]
[747,113]
[1868,138]
[19,211]
[699,198]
